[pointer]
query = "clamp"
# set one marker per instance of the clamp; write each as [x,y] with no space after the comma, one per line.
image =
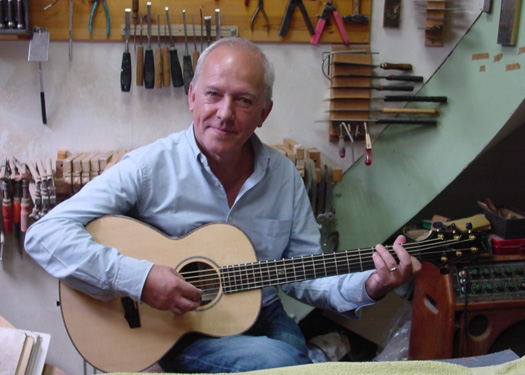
[327,10]
[260,7]
[93,9]
[288,17]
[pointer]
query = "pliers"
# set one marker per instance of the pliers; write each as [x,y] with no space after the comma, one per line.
[288,17]
[95,5]
[260,7]
[327,10]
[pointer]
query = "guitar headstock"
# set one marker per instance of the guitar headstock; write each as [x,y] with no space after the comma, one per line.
[449,245]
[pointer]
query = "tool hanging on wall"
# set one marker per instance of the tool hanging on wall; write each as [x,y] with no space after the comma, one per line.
[176,70]
[378,88]
[328,10]
[196,53]
[288,14]
[139,77]
[260,8]
[405,78]
[125,68]
[207,22]
[218,24]
[368,146]
[70,30]
[187,66]
[392,13]
[92,15]
[166,74]
[389,121]
[356,16]
[158,59]
[135,9]
[38,51]
[384,66]
[419,111]
[149,63]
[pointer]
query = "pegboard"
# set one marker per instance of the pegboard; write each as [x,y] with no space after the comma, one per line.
[232,13]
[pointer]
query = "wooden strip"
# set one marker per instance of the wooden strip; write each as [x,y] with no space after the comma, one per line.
[480,56]
[509,22]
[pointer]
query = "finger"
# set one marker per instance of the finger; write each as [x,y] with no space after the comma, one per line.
[386,257]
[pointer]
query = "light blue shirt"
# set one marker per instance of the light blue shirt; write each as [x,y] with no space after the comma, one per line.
[169,185]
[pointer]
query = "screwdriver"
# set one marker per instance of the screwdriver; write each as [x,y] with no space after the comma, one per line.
[158,58]
[388,77]
[196,53]
[384,66]
[176,71]
[149,64]
[140,58]
[379,88]
[399,98]
[135,6]
[25,206]
[165,61]
[187,67]
[125,70]
[217,24]
[7,208]
[207,22]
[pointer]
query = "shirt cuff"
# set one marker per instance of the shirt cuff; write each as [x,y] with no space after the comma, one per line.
[131,277]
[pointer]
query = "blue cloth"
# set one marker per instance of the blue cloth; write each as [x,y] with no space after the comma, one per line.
[275,340]
[169,185]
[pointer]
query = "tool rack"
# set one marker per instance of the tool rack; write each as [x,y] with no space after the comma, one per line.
[232,12]
[17,32]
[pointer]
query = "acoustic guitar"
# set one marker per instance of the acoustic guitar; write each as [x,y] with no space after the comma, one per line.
[122,335]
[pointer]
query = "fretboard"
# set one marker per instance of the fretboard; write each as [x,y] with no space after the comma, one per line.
[241,277]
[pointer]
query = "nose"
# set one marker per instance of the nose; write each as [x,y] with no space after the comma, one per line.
[225,109]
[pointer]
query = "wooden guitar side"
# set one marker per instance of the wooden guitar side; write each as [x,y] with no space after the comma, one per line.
[99,330]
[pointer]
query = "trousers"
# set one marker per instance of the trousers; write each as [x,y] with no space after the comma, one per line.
[275,340]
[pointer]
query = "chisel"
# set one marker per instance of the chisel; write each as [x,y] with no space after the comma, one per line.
[149,63]
[196,53]
[388,77]
[385,66]
[398,98]
[135,6]
[217,24]
[165,61]
[176,71]
[207,22]
[379,88]
[125,69]
[158,58]
[422,111]
[187,66]
[140,58]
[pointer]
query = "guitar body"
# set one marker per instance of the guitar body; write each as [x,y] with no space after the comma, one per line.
[99,329]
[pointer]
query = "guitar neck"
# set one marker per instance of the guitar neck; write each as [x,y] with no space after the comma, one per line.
[238,278]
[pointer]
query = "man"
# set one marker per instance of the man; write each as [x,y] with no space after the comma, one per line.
[217,170]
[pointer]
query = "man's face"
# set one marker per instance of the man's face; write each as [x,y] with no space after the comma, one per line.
[228,101]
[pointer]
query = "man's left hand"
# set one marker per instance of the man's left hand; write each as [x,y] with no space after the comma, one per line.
[389,274]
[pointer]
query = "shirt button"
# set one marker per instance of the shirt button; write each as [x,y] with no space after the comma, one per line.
[201,159]
[217,184]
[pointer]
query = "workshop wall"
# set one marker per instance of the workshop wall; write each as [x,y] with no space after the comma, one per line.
[86,111]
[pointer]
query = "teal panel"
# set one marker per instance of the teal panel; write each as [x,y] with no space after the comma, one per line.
[413,164]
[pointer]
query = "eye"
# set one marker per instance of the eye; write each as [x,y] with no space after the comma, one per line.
[245,101]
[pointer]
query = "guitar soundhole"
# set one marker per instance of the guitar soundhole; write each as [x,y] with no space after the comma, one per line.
[202,276]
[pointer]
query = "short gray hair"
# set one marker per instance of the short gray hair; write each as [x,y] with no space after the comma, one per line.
[269,74]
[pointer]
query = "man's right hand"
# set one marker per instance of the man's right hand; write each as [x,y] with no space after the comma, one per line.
[165,289]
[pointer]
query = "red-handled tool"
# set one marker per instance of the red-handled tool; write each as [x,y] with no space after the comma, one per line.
[327,10]
[7,208]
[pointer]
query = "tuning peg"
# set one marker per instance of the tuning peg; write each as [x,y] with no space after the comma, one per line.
[469,227]
[438,225]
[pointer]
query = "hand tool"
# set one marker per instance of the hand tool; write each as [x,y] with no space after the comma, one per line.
[2,15]
[218,24]
[166,78]
[38,51]
[288,14]
[7,207]
[51,184]
[106,11]
[20,15]
[421,111]
[356,15]
[196,53]
[25,206]
[207,22]
[202,27]
[44,191]
[368,146]
[125,68]
[139,78]
[327,10]
[135,8]
[158,59]
[11,14]
[187,66]
[384,66]
[391,13]
[378,88]
[392,121]
[176,71]
[70,30]
[37,198]
[399,98]
[341,142]
[149,64]
[2,243]
[388,77]
[260,8]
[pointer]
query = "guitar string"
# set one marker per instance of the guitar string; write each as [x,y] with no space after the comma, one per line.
[306,261]
[208,277]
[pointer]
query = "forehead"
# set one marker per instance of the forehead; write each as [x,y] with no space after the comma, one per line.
[234,64]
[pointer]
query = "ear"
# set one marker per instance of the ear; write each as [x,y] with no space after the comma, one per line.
[265,112]
[191,97]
